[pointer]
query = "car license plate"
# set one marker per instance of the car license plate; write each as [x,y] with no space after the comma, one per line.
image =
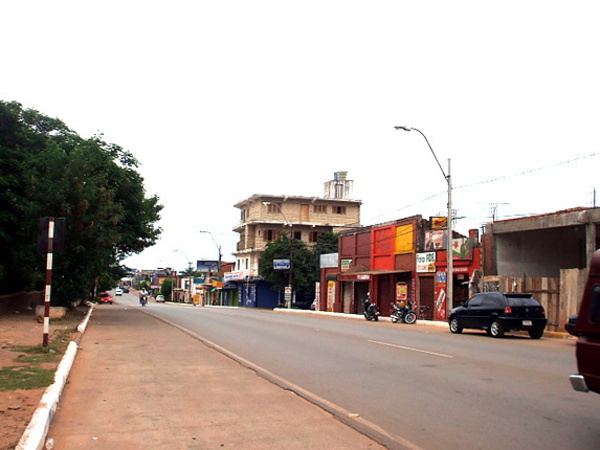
[527,323]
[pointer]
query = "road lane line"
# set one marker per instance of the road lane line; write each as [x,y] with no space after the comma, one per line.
[412,349]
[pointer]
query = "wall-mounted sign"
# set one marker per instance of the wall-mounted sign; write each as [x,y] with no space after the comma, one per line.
[328,260]
[462,248]
[435,239]
[345,265]
[426,262]
[439,223]
[235,276]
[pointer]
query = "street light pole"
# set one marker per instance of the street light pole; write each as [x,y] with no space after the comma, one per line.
[450,268]
[219,250]
[291,251]
[186,258]
[191,278]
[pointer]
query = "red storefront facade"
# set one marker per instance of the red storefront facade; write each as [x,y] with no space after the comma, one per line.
[390,263]
[378,260]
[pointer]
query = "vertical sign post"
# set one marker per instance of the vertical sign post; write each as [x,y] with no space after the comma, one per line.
[48,281]
[51,239]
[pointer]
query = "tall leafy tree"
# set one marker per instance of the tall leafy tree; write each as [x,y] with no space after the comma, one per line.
[302,264]
[48,170]
[327,242]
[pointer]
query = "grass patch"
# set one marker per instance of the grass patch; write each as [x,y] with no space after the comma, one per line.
[25,377]
[29,374]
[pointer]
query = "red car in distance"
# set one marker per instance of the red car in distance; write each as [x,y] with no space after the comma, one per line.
[105,297]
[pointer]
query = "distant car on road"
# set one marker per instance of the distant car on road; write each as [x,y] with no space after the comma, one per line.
[160,298]
[118,291]
[105,297]
[126,289]
[497,313]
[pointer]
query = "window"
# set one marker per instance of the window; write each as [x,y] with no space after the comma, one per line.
[270,235]
[274,207]
[476,301]
[313,236]
[491,303]
[339,210]
[297,235]
[320,209]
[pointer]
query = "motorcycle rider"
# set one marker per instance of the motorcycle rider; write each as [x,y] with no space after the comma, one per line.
[367,304]
[143,296]
[404,305]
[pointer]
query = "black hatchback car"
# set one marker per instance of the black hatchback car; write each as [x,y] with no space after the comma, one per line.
[499,312]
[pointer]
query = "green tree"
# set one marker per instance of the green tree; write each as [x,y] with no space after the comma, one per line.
[48,170]
[303,265]
[327,242]
[166,287]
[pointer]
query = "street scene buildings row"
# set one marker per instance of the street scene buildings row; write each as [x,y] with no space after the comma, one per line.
[406,259]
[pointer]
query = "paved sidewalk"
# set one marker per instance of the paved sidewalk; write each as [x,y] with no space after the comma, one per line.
[140,383]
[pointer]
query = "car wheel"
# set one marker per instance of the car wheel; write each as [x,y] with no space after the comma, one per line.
[410,318]
[454,326]
[536,334]
[495,329]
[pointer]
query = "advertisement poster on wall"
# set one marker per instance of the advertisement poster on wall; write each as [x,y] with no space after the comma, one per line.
[330,295]
[435,239]
[440,296]
[401,291]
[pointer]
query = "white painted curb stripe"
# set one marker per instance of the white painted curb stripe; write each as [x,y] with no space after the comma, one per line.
[35,434]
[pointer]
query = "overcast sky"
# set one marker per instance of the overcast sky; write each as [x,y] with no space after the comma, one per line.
[220,100]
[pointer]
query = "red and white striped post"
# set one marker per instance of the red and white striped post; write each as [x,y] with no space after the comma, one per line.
[48,281]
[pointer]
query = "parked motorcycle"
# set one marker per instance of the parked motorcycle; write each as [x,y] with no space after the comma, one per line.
[371,311]
[403,314]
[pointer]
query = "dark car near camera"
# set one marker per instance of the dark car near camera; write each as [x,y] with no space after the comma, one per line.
[587,326]
[498,313]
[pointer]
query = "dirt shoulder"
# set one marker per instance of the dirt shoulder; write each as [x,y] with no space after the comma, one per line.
[18,329]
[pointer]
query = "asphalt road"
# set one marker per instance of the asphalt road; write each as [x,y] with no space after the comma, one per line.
[422,383]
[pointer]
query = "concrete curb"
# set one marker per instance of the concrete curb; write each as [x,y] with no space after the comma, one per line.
[35,434]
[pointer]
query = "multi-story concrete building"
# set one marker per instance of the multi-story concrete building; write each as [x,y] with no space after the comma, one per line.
[265,217]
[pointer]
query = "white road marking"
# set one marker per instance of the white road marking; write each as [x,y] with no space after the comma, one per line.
[412,349]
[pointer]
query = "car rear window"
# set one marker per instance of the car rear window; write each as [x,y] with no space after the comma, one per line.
[522,301]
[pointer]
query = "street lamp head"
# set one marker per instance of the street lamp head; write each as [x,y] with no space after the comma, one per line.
[405,128]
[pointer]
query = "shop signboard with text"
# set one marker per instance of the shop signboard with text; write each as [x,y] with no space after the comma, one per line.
[426,262]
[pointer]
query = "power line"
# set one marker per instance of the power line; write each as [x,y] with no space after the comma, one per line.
[492,180]
[527,172]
